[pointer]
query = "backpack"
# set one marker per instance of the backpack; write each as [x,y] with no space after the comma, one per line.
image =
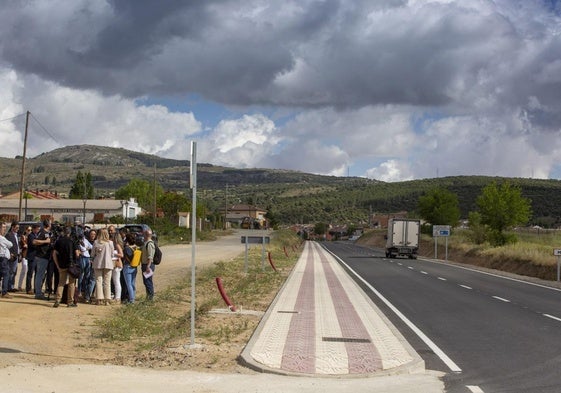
[136,257]
[157,254]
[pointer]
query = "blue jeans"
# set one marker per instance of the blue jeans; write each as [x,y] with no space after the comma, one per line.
[5,274]
[30,272]
[129,274]
[13,272]
[85,272]
[148,283]
[41,265]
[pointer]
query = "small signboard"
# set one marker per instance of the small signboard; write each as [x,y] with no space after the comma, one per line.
[557,252]
[440,230]
[255,239]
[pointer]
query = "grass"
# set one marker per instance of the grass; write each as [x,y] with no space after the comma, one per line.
[152,325]
[532,247]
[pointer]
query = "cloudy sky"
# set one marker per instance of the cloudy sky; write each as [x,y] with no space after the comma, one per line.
[388,89]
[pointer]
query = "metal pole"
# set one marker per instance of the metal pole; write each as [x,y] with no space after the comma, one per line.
[193,233]
[446,249]
[558,268]
[263,254]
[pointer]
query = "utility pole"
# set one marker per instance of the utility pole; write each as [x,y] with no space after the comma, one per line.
[225,206]
[22,179]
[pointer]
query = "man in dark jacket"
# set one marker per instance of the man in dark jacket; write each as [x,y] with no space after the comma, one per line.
[65,253]
[31,251]
[15,253]
[42,244]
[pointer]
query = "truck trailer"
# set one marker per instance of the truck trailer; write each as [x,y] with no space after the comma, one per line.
[403,238]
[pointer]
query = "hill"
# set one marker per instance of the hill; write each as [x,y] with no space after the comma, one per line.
[294,197]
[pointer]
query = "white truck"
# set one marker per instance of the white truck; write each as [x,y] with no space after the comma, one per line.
[403,238]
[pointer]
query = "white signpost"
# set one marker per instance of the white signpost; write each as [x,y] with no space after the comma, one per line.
[557,253]
[440,231]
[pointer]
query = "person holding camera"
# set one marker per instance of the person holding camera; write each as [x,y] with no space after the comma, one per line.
[65,253]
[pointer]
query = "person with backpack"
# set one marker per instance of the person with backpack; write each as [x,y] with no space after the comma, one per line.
[148,267]
[132,258]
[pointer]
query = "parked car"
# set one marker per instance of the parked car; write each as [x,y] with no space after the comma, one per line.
[138,230]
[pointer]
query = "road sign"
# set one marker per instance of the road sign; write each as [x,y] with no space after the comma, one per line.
[557,252]
[440,230]
[255,239]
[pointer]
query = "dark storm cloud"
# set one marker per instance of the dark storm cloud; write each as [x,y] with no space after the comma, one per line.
[299,53]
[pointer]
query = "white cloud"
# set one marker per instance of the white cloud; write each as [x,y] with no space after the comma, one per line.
[390,171]
[63,116]
[243,142]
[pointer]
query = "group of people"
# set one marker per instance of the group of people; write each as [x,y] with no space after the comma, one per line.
[108,261]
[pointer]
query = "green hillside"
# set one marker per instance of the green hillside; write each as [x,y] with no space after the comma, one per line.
[294,197]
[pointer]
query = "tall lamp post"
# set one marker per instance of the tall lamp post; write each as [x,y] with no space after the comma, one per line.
[84,199]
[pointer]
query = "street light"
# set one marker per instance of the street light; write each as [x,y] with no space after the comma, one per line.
[84,199]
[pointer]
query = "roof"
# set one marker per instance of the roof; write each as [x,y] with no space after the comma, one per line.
[34,194]
[75,204]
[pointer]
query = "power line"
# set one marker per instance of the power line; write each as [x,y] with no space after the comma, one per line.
[44,129]
[12,118]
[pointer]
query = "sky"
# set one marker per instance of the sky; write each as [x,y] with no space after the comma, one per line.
[391,90]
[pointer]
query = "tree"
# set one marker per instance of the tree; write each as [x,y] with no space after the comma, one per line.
[82,187]
[502,207]
[320,228]
[439,207]
[142,191]
[172,203]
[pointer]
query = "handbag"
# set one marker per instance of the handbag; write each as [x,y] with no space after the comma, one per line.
[74,270]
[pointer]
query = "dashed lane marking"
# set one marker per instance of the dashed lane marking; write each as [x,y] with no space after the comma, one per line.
[442,279]
[502,299]
[552,317]
[465,286]
[474,389]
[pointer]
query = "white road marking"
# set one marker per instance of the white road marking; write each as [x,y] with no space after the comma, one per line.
[410,267]
[552,317]
[400,264]
[502,299]
[423,272]
[465,286]
[441,278]
[474,389]
[493,275]
[439,352]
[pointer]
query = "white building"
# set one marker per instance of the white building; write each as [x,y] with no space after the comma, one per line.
[68,210]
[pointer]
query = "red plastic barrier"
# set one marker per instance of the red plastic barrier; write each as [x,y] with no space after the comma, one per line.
[271,261]
[224,296]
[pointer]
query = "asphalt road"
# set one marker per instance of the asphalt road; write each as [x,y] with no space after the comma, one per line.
[489,333]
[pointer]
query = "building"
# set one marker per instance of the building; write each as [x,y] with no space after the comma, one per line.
[68,210]
[247,214]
